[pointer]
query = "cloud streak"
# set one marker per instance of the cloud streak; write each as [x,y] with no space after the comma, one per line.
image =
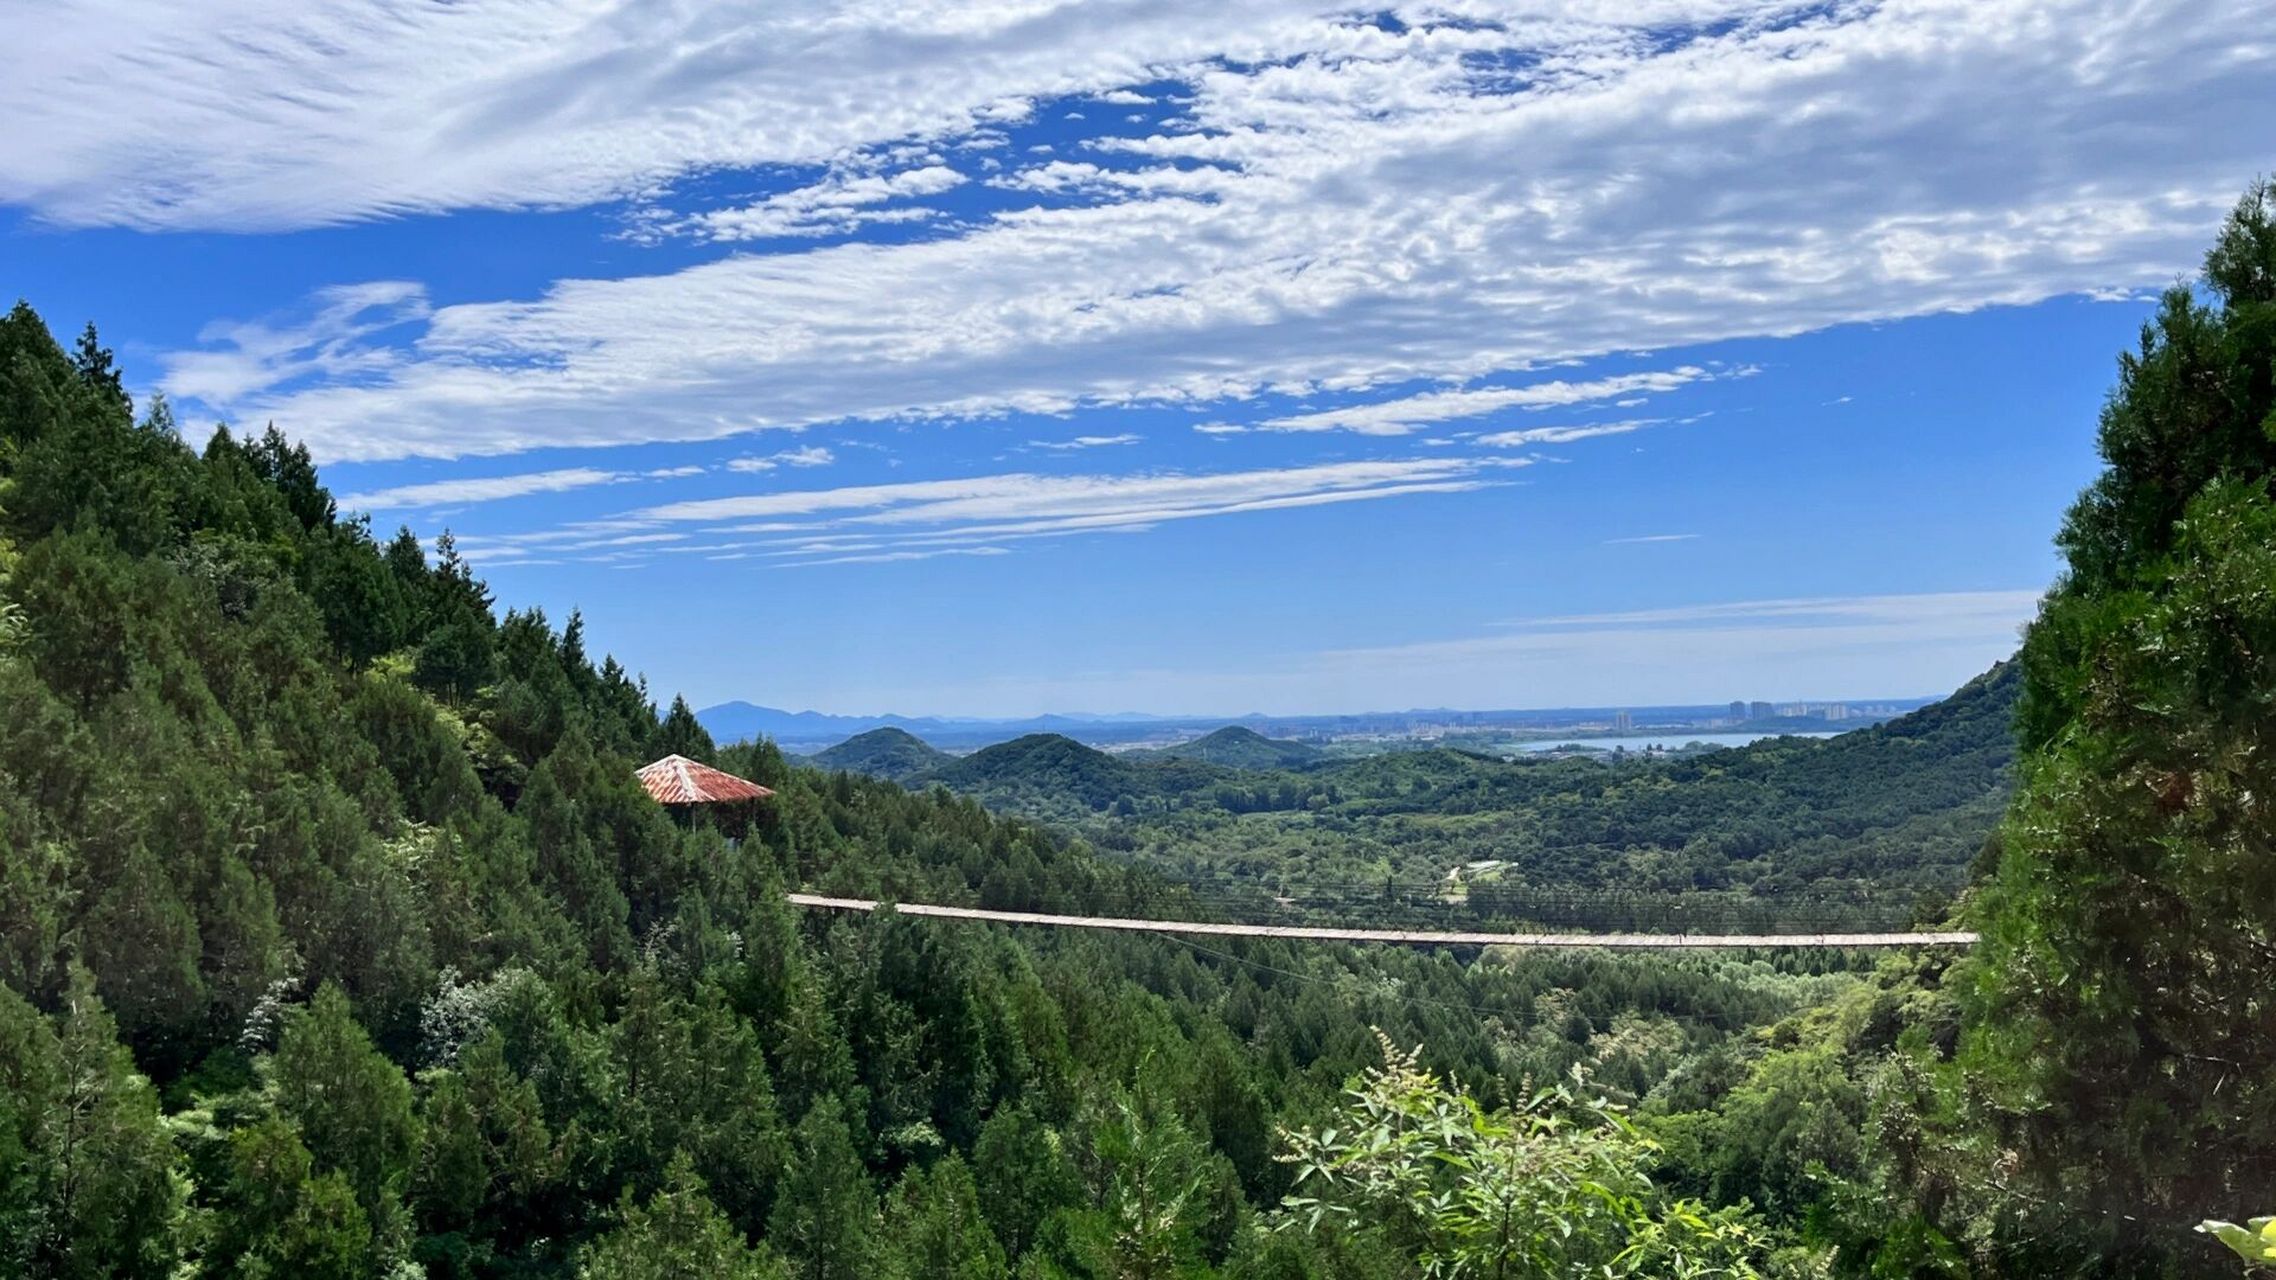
[443,493]
[1412,413]
[881,522]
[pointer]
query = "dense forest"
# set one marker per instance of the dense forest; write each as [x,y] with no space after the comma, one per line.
[337,939]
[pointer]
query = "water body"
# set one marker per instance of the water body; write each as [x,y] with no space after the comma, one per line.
[1637,742]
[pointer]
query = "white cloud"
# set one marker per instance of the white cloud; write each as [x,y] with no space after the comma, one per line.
[879,522]
[1650,537]
[1086,442]
[1563,434]
[1411,413]
[250,114]
[247,357]
[1022,503]
[812,455]
[842,204]
[887,557]
[1339,208]
[1965,608]
[440,493]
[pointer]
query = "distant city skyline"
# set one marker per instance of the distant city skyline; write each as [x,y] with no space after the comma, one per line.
[1183,357]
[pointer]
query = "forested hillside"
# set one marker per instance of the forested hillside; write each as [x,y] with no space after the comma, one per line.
[1238,747]
[895,755]
[1900,809]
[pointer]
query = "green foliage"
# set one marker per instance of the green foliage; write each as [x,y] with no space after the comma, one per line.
[895,755]
[933,1217]
[349,1104]
[1022,1176]
[2120,1035]
[88,1184]
[825,1221]
[2255,1241]
[278,1217]
[676,1235]
[1237,747]
[681,735]
[251,754]
[1557,1185]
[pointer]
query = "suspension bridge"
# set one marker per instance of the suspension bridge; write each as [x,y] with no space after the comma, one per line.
[1402,937]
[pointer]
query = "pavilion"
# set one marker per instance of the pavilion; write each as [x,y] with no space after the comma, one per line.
[689,788]
[678,782]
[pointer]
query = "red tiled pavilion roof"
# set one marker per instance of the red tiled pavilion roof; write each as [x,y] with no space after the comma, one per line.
[679,780]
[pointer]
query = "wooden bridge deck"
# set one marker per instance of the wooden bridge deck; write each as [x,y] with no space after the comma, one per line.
[1407,937]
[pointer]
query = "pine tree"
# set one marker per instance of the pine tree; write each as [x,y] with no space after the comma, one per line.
[100,372]
[938,1232]
[825,1220]
[1022,1177]
[683,735]
[280,1217]
[676,1235]
[350,1104]
[106,1198]
[2123,1018]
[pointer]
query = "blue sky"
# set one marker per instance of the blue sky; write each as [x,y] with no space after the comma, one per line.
[1003,357]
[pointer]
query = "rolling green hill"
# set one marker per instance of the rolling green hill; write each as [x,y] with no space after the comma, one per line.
[1238,747]
[1050,776]
[895,755]
[1901,807]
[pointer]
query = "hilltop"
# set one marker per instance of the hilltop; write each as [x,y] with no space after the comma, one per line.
[895,755]
[1240,747]
[1050,775]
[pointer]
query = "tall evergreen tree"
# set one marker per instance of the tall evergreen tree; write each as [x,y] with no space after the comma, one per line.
[91,1191]
[683,735]
[825,1220]
[937,1230]
[676,1235]
[2122,1016]
[100,372]
[350,1104]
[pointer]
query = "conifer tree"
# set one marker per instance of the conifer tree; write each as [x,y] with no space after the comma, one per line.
[825,1220]
[937,1229]
[676,1235]
[349,1103]
[683,735]
[2122,1016]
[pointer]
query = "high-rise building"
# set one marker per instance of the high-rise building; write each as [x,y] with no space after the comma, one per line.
[1738,711]
[1622,722]
[1760,711]
[1837,711]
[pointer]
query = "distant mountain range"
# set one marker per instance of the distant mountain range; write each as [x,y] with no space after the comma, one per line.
[806,731]
[737,721]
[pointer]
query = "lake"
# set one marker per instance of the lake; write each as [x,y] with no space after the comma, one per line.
[1638,741]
